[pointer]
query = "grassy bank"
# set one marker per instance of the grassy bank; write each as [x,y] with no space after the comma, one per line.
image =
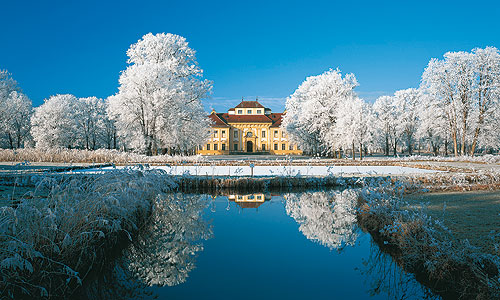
[66,227]
[421,245]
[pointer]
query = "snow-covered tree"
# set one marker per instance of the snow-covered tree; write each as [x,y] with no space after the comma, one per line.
[55,124]
[354,126]
[158,104]
[90,116]
[467,86]
[433,128]
[110,135]
[328,218]
[406,103]
[386,123]
[312,109]
[15,112]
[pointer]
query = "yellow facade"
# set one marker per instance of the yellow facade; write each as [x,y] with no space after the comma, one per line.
[247,128]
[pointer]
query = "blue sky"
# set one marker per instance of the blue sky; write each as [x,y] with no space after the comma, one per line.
[247,48]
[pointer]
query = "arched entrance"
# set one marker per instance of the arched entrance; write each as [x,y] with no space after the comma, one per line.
[249,146]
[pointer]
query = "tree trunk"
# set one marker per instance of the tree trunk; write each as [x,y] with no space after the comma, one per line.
[360,151]
[11,142]
[455,143]
[353,152]
[387,145]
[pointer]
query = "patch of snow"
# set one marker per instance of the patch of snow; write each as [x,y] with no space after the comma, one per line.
[282,170]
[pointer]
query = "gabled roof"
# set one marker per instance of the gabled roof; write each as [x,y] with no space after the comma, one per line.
[249,104]
[249,204]
[247,119]
[217,120]
[276,118]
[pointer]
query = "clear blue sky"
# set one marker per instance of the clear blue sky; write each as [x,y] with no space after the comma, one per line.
[248,48]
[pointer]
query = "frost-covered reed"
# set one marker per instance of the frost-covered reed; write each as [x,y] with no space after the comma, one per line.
[59,155]
[424,246]
[60,234]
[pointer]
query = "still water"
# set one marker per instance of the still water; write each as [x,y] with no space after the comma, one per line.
[259,246]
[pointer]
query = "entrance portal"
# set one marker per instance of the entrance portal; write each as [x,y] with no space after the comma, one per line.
[249,146]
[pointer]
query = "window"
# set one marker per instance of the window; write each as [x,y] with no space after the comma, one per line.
[216,147]
[216,133]
[249,111]
[259,197]
[240,197]
[240,111]
[235,147]
[282,134]
[263,133]
[223,147]
[200,147]
[276,133]
[208,146]
[263,147]
[290,147]
[259,111]
[223,133]
[236,133]
[283,147]
[249,134]
[275,146]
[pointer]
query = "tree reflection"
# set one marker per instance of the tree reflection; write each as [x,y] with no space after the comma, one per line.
[163,254]
[383,275]
[328,218]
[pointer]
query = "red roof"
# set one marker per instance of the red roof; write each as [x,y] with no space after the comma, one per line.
[223,119]
[276,117]
[249,204]
[217,120]
[247,119]
[249,104]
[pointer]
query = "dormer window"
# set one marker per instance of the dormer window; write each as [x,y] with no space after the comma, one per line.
[240,111]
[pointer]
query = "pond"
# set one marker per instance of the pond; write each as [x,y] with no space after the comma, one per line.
[258,246]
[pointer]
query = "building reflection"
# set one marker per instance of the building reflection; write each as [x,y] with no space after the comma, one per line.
[249,200]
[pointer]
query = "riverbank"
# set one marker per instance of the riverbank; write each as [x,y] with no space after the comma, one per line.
[424,246]
[65,229]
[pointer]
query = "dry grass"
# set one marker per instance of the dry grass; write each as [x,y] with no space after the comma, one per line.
[50,244]
[89,156]
[454,269]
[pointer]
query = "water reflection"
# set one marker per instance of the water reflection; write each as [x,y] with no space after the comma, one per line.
[249,200]
[325,217]
[166,253]
[163,254]
[384,276]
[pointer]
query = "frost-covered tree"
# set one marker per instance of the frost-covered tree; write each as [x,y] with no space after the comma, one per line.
[467,86]
[354,125]
[110,135]
[386,123]
[433,127]
[489,137]
[91,117]
[326,218]
[312,109]
[158,104]
[54,124]
[15,112]
[406,103]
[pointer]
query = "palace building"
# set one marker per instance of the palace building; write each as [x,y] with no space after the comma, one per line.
[247,128]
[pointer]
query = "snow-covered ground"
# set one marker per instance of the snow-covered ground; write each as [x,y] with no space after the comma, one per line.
[281,170]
